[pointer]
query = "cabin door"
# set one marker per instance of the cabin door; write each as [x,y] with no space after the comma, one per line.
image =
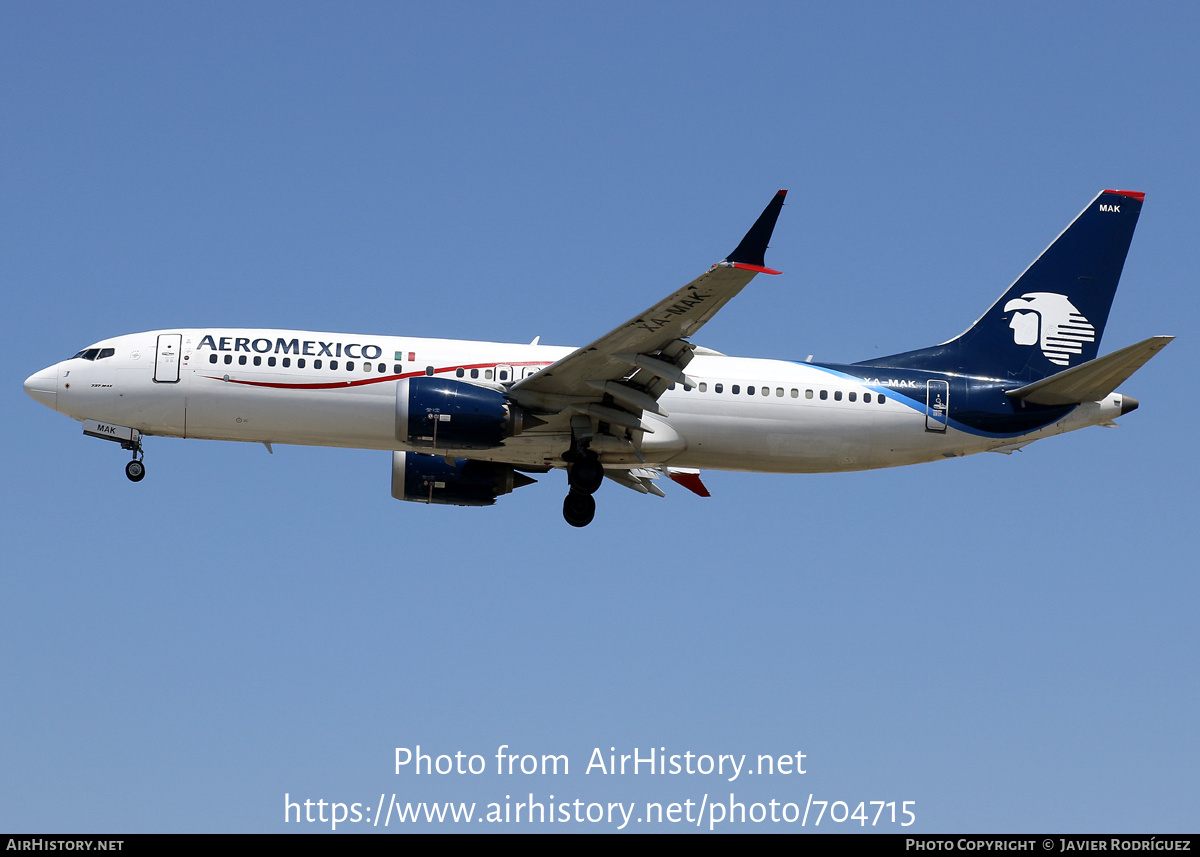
[937,405]
[166,358]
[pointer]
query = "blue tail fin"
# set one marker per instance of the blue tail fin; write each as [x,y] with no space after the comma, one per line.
[1053,316]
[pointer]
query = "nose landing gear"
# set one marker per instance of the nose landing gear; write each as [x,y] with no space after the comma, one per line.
[135,470]
[129,438]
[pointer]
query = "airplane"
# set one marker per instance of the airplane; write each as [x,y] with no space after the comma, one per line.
[466,422]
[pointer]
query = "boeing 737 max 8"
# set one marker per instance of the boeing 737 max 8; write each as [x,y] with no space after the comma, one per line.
[466,421]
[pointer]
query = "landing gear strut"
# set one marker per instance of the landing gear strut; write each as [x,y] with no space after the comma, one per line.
[129,438]
[585,474]
[135,470]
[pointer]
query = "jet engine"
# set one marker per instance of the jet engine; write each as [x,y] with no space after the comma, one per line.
[457,482]
[440,413]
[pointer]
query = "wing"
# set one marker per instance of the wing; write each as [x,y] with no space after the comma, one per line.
[622,374]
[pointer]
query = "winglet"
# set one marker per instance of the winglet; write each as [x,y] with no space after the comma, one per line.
[689,479]
[750,254]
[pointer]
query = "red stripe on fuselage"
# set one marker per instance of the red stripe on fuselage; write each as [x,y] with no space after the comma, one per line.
[341,385]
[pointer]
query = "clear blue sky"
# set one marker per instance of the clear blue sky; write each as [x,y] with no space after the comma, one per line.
[1009,641]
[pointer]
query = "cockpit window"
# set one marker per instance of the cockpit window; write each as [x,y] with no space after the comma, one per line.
[95,353]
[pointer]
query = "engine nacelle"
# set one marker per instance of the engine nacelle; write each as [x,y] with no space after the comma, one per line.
[431,479]
[440,413]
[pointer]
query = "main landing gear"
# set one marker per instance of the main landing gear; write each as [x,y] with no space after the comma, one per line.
[585,475]
[579,508]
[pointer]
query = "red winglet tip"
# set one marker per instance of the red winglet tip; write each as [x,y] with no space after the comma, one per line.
[759,268]
[691,481]
[1133,194]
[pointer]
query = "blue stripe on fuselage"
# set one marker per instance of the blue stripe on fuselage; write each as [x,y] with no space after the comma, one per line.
[978,406]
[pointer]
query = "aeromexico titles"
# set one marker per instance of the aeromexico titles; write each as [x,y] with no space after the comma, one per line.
[467,421]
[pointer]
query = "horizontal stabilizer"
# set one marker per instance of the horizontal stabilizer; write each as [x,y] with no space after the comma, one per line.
[1094,380]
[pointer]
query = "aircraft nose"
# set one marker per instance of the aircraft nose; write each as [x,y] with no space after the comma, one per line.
[43,387]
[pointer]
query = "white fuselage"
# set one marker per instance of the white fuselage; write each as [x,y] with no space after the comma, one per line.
[339,390]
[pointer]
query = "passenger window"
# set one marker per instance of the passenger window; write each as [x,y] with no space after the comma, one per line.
[383,368]
[460,373]
[837,395]
[824,395]
[766,391]
[474,373]
[397,369]
[300,363]
[270,361]
[854,397]
[332,364]
[672,387]
[736,389]
[228,359]
[317,363]
[257,360]
[749,391]
[212,358]
[867,398]
[366,366]
[703,386]
[882,398]
[807,393]
[718,388]
[287,362]
[349,365]
[429,371]
[779,392]
[242,360]
[503,374]
[487,374]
